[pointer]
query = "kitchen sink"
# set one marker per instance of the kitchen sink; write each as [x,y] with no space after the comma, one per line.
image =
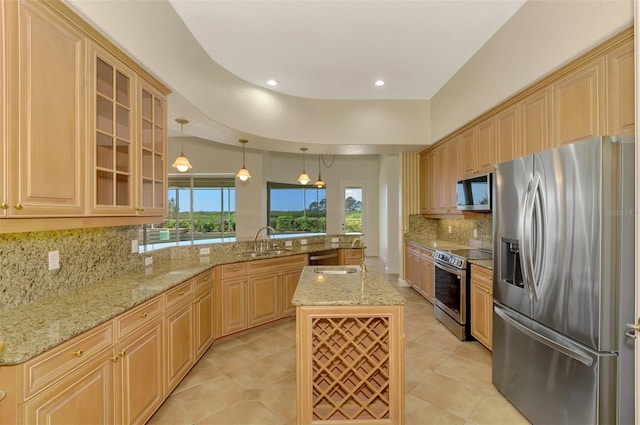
[256,254]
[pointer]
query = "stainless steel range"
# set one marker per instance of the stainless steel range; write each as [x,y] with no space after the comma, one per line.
[452,288]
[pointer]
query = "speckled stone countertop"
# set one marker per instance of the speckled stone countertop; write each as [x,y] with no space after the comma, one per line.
[38,326]
[487,264]
[434,244]
[329,289]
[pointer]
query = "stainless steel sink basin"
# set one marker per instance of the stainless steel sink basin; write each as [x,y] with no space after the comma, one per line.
[256,254]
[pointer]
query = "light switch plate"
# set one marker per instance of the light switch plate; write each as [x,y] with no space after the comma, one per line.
[134,246]
[288,243]
[335,240]
[148,261]
[475,233]
[303,242]
[205,251]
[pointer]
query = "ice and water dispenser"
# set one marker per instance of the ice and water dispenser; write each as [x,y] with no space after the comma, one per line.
[510,264]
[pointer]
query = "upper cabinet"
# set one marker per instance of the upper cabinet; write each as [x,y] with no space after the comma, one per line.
[620,92]
[45,97]
[535,112]
[592,96]
[83,126]
[112,147]
[579,104]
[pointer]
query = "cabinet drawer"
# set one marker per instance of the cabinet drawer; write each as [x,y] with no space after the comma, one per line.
[135,318]
[351,254]
[234,270]
[59,361]
[482,276]
[202,281]
[178,294]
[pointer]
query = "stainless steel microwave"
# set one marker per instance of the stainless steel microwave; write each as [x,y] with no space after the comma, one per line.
[474,193]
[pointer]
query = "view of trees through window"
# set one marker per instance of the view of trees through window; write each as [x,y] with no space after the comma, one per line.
[198,209]
[296,209]
[353,210]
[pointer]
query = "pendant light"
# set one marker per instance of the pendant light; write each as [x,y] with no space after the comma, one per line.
[243,175]
[319,183]
[181,163]
[304,177]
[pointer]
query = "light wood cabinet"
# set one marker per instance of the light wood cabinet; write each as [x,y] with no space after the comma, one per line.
[4,88]
[350,256]
[425,184]
[152,150]
[288,284]
[579,104]
[476,149]
[482,305]
[536,122]
[179,325]
[231,299]
[450,186]
[45,100]
[420,270]
[263,298]
[620,90]
[204,312]
[507,134]
[140,383]
[439,175]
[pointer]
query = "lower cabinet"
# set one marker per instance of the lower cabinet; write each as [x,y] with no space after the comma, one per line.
[120,371]
[419,270]
[257,292]
[350,256]
[482,305]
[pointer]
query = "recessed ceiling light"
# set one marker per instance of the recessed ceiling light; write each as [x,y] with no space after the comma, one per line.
[272,82]
[379,83]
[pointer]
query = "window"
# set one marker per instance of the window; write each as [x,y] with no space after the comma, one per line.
[296,209]
[353,210]
[199,209]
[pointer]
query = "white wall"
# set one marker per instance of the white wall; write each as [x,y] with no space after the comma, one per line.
[541,37]
[251,200]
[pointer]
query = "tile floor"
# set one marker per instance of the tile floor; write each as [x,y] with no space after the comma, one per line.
[250,379]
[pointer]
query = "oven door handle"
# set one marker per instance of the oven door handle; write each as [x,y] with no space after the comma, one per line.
[449,269]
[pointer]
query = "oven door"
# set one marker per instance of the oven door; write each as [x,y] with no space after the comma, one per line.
[450,291]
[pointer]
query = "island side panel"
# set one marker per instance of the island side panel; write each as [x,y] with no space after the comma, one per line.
[350,364]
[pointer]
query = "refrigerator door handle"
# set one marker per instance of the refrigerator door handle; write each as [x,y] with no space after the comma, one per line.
[528,239]
[539,233]
[567,351]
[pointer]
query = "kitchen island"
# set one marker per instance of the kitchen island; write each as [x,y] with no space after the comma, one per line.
[350,347]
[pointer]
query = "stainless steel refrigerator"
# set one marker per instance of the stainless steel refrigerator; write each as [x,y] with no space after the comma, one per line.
[563,234]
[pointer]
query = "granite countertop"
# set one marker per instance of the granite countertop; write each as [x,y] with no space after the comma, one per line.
[38,326]
[334,286]
[434,244]
[487,264]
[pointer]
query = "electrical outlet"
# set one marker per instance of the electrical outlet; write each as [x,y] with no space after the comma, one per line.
[475,233]
[205,251]
[134,246]
[449,229]
[335,240]
[303,242]
[54,260]
[288,243]
[148,261]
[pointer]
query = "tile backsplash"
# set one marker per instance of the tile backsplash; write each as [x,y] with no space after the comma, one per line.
[462,230]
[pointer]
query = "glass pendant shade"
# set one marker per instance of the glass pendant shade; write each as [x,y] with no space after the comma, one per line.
[243,174]
[182,163]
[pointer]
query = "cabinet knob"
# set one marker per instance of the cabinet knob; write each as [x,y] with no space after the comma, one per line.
[18,206]
[114,359]
[4,205]
[3,394]
[181,293]
[139,209]
[143,315]
[235,269]
[122,353]
[78,353]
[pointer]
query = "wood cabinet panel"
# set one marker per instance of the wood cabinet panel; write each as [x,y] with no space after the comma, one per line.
[451,183]
[288,284]
[180,354]
[467,164]
[46,65]
[484,148]
[620,93]
[482,305]
[508,134]
[138,317]
[85,396]
[536,122]
[350,256]
[425,186]
[579,104]
[232,305]
[4,88]
[140,388]
[204,318]
[263,298]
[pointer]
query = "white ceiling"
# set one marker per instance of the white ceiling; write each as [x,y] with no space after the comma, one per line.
[337,49]
[317,49]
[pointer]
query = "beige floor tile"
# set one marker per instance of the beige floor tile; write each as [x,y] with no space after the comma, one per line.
[421,412]
[439,338]
[453,396]
[281,398]
[473,350]
[251,413]
[204,399]
[259,374]
[203,371]
[465,370]
[231,359]
[171,413]
[497,411]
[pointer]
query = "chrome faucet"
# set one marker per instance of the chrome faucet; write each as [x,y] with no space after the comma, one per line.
[255,240]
